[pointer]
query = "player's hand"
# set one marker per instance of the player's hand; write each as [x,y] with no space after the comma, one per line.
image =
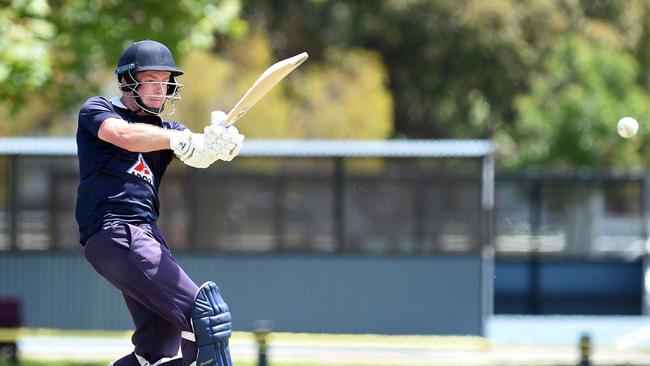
[225,142]
[201,156]
[181,144]
[190,148]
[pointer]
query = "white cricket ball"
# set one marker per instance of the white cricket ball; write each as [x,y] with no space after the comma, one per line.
[627,127]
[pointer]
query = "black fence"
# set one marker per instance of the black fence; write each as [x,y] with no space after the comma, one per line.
[572,242]
[393,205]
[582,214]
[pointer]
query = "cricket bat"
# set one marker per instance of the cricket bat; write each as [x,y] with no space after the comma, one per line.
[269,78]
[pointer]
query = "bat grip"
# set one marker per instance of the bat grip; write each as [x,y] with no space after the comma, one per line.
[217,117]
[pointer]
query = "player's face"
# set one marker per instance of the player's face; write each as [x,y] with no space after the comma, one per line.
[153,87]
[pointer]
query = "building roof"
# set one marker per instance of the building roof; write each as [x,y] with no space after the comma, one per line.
[66,146]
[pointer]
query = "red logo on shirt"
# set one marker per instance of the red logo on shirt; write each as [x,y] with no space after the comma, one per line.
[141,169]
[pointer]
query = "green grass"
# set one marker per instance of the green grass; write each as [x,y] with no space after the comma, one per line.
[458,344]
[52,363]
[70,363]
[238,363]
[80,363]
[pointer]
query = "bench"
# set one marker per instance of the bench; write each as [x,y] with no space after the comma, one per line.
[9,318]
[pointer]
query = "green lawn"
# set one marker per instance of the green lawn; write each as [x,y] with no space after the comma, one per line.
[71,363]
[67,363]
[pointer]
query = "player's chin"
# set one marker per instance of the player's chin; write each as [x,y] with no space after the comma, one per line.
[154,103]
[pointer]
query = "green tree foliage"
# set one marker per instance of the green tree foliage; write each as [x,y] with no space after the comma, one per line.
[57,50]
[344,96]
[491,69]
[181,25]
[548,79]
[25,59]
[569,117]
[454,66]
[216,81]
[204,79]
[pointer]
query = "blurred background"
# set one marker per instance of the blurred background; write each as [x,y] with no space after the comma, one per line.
[443,170]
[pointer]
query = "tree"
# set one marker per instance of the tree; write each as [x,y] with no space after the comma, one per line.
[568,119]
[344,96]
[501,69]
[454,66]
[59,50]
[25,60]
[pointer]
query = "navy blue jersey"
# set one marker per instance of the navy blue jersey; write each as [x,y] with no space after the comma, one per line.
[116,185]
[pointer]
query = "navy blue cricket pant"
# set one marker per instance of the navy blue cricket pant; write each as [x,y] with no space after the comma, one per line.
[157,292]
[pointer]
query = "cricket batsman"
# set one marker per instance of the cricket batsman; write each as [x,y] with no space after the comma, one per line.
[124,147]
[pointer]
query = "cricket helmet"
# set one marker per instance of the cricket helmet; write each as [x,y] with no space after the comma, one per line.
[147,55]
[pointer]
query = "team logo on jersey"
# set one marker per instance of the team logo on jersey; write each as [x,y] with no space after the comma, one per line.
[141,169]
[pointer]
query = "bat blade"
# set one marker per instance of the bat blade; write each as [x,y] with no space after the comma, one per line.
[264,83]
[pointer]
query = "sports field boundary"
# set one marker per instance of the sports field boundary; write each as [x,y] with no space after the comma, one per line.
[377,340]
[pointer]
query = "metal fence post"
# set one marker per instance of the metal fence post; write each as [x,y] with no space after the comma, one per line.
[339,203]
[645,232]
[262,331]
[585,350]
[12,201]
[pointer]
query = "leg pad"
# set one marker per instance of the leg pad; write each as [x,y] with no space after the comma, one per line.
[211,322]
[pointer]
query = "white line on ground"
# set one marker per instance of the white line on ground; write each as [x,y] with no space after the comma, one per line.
[633,338]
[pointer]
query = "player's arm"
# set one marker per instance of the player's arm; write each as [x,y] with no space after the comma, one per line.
[137,137]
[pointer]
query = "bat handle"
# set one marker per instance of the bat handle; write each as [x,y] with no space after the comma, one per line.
[217,117]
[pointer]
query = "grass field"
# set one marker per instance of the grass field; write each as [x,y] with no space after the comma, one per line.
[69,363]
[105,363]
[51,347]
[66,363]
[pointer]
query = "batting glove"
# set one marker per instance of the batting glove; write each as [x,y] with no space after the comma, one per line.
[225,142]
[190,148]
